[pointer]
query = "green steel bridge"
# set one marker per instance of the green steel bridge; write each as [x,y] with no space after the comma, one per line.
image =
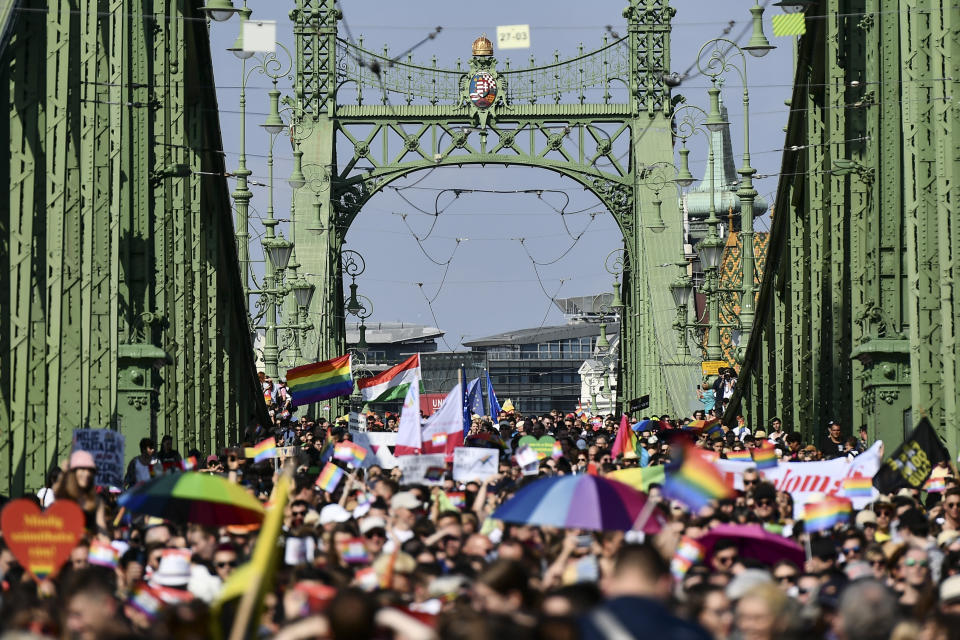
[124,296]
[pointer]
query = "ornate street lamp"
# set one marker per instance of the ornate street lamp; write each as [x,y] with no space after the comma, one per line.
[719,63]
[278,251]
[274,123]
[219,10]
[302,292]
[297,179]
[237,48]
[758,46]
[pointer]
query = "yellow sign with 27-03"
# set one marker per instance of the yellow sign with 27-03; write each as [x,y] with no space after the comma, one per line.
[712,367]
[513,36]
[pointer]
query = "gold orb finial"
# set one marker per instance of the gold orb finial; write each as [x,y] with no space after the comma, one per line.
[482,46]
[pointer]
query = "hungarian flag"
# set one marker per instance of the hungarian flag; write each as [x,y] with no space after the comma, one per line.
[393,383]
[911,463]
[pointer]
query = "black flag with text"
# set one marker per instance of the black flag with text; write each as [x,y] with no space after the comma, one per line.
[911,463]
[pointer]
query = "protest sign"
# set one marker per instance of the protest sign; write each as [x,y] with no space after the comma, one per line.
[378,443]
[356,424]
[41,541]
[415,467]
[107,448]
[473,463]
[543,446]
[526,456]
[803,479]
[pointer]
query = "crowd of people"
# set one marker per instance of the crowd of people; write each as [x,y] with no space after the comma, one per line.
[379,557]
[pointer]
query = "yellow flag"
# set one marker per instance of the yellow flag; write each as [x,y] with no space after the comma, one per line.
[258,572]
[507,406]
[789,24]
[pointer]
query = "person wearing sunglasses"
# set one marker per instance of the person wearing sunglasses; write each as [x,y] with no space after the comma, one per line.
[854,544]
[225,560]
[877,561]
[951,509]
[883,509]
[725,553]
[765,502]
[917,583]
[786,574]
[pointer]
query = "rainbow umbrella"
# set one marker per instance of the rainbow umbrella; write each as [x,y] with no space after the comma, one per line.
[579,502]
[195,497]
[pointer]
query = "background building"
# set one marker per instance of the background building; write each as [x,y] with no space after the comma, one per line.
[539,368]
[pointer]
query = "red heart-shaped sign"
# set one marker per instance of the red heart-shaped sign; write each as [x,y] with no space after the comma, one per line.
[41,541]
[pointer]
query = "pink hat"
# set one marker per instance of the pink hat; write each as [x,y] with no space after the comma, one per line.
[82,460]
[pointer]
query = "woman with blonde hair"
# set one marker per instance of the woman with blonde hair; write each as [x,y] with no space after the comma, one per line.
[762,613]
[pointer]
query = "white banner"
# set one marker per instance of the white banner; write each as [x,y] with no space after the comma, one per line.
[474,463]
[415,468]
[803,479]
[378,443]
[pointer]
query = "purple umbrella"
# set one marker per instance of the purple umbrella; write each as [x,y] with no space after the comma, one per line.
[580,502]
[753,541]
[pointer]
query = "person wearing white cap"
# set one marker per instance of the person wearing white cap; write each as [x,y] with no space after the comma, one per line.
[332,515]
[950,595]
[402,518]
[174,572]
[374,532]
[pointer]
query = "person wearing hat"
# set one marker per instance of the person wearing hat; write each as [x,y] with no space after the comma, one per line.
[883,508]
[173,572]
[950,595]
[374,532]
[78,484]
[866,521]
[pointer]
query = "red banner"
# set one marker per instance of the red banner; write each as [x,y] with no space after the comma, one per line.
[430,402]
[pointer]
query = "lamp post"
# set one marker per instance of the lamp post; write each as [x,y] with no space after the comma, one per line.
[242,193]
[714,66]
[278,252]
[356,304]
[710,249]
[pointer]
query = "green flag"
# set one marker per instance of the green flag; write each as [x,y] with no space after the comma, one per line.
[789,24]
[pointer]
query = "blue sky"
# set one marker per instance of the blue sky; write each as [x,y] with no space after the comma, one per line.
[491,284]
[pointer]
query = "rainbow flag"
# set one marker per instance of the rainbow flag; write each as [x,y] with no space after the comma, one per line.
[823,515]
[689,552]
[626,440]
[457,499]
[265,450]
[352,454]
[330,477]
[765,456]
[857,487]
[103,555]
[144,600]
[439,439]
[557,450]
[935,485]
[352,551]
[693,480]
[320,381]
[189,464]
[328,447]
[740,456]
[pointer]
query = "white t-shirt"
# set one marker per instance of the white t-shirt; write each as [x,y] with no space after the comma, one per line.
[141,472]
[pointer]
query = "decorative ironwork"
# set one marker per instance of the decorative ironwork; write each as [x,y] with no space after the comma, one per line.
[586,77]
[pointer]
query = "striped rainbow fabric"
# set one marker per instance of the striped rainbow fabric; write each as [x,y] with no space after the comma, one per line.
[320,381]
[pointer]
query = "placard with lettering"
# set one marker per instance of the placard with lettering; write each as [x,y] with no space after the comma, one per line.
[107,448]
[41,541]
